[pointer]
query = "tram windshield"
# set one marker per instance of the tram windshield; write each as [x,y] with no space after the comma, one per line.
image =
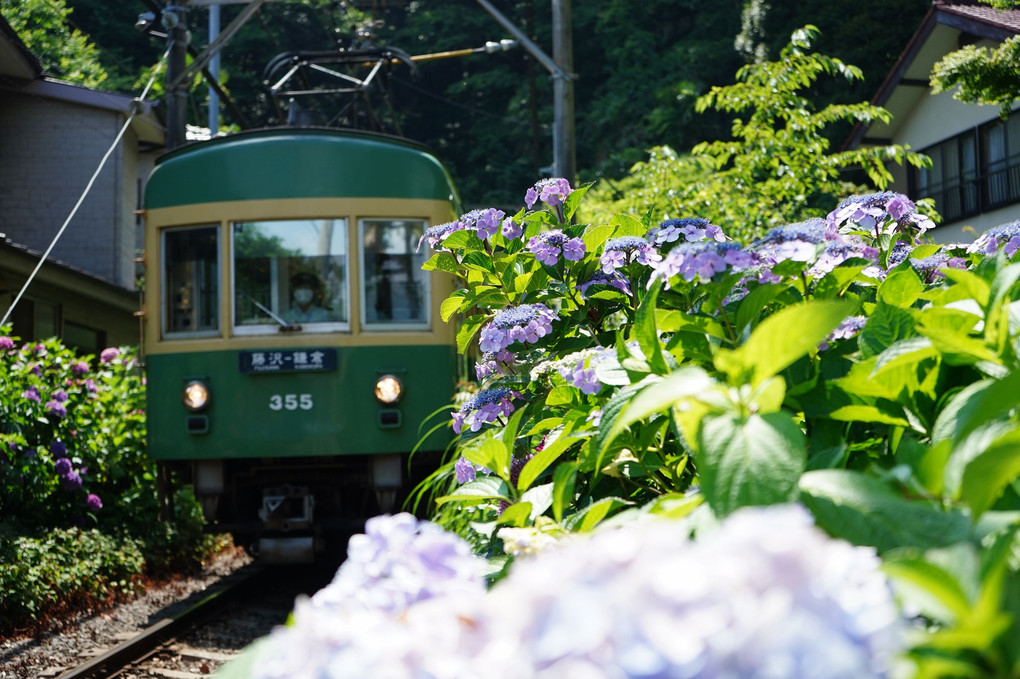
[290,272]
[395,288]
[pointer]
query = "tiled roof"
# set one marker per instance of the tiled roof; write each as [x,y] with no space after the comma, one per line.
[1004,18]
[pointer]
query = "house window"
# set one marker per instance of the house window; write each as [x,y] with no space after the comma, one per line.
[952,180]
[975,171]
[1001,145]
[83,339]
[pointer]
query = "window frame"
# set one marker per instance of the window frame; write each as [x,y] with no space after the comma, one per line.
[164,309]
[275,328]
[426,323]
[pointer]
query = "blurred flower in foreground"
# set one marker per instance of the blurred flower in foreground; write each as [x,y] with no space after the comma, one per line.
[766,595]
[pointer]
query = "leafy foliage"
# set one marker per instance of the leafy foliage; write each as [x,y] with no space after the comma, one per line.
[984,75]
[780,149]
[65,53]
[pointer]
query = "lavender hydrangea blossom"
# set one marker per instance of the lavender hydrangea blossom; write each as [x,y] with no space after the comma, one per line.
[400,606]
[526,323]
[848,327]
[1005,236]
[93,502]
[31,394]
[109,354]
[485,222]
[700,260]
[619,252]
[511,229]
[612,279]
[465,471]
[797,604]
[485,406]
[885,212]
[693,229]
[6,343]
[552,192]
[548,246]
[494,363]
[435,235]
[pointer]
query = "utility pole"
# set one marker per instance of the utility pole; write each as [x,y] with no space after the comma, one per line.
[564,143]
[561,69]
[175,21]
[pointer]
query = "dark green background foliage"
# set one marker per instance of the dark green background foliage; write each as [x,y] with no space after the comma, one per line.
[640,67]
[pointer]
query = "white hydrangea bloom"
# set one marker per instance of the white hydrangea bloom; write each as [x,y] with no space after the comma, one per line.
[766,595]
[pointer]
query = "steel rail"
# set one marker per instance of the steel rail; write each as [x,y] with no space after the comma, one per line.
[150,639]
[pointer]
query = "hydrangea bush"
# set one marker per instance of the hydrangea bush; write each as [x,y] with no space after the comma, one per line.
[845,363]
[75,478]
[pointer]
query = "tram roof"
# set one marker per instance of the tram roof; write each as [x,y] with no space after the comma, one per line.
[281,163]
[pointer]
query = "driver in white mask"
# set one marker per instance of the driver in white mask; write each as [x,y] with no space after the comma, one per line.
[306,293]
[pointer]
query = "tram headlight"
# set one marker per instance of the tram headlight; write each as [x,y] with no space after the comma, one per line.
[195,395]
[388,389]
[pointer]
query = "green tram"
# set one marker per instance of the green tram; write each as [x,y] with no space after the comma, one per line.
[293,345]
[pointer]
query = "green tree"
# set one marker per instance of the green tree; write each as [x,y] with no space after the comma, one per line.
[984,75]
[779,166]
[64,52]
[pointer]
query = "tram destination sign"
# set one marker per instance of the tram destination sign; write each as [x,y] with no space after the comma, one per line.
[286,360]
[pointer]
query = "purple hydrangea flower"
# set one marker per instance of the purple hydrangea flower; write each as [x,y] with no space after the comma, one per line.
[849,327]
[56,408]
[619,252]
[31,394]
[493,363]
[798,242]
[63,466]
[93,502]
[70,481]
[58,449]
[877,213]
[693,229]
[485,222]
[581,374]
[435,235]
[109,354]
[6,343]
[551,191]
[90,386]
[548,246]
[485,406]
[511,229]
[838,251]
[1005,236]
[700,260]
[79,368]
[60,395]
[601,278]
[526,323]
[929,267]
[465,471]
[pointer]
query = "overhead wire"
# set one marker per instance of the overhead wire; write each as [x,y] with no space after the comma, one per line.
[135,107]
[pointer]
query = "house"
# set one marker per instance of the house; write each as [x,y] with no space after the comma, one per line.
[53,136]
[975,174]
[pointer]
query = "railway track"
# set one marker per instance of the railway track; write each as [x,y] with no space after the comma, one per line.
[197,641]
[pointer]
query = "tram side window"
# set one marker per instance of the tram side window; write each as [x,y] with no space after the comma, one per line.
[191,296]
[290,272]
[395,289]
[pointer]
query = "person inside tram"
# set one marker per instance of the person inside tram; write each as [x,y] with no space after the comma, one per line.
[306,298]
